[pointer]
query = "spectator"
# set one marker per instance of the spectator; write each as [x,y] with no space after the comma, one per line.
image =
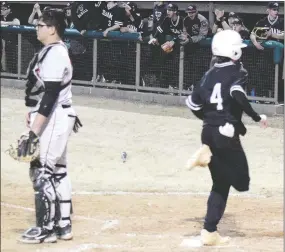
[133,21]
[171,26]
[67,13]
[8,40]
[169,30]
[221,23]
[270,27]
[239,27]
[112,17]
[7,16]
[36,10]
[85,14]
[195,26]
[159,13]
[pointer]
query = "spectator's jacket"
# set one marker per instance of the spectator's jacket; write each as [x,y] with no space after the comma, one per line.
[111,17]
[159,14]
[197,28]
[170,27]
[276,26]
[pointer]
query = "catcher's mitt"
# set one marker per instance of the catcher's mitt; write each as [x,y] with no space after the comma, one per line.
[260,32]
[167,46]
[27,149]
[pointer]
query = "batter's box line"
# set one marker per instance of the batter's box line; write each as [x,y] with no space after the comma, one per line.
[146,193]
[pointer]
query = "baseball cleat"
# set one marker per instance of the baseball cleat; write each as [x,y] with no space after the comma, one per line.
[64,233]
[37,235]
[202,158]
[213,238]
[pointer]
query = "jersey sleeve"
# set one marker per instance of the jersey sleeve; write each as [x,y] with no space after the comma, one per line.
[55,64]
[194,101]
[240,81]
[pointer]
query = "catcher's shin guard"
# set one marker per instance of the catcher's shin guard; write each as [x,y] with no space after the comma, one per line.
[202,157]
[44,196]
[63,197]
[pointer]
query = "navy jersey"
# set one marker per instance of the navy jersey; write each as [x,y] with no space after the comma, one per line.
[214,94]
[113,16]
[136,24]
[276,26]
[170,27]
[159,14]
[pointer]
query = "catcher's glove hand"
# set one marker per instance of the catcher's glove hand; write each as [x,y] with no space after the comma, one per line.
[167,46]
[27,149]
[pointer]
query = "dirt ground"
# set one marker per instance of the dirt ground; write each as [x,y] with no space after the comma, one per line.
[150,203]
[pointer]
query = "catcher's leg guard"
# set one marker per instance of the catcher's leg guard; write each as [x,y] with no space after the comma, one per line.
[202,157]
[63,198]
[44,195]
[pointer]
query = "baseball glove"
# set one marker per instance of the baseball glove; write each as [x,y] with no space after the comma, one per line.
[27,148]
[201,158]
[167,46]
[260,32]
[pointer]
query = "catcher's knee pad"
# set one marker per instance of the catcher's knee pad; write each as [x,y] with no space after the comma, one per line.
[44,197]
[63,197]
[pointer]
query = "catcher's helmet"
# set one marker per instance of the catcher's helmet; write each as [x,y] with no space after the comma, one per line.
[228,43]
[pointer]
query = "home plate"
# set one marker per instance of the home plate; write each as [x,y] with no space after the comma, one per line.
[194,242]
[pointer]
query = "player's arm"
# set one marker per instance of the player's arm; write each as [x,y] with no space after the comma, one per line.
[53,72]
[239,95]
[15,21]
[161,28]
[278,36]
[195,103]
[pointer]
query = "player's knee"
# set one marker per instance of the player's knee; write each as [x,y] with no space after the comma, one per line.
[242,186]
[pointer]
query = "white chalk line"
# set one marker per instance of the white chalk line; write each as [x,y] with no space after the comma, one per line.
[145,193]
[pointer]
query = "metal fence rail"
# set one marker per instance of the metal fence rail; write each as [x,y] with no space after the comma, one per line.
[133,65]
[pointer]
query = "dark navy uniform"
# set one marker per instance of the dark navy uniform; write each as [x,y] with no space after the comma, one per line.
[111,17]
[276,26]
[219,99]
[159,14]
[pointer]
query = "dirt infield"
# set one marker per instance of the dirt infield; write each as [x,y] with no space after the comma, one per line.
[150,203]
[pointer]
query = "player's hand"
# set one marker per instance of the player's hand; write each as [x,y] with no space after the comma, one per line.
[28,120]
[83,32]
[259,46]
[268,34]
[219,14]
[263,121]
[105,33]
[153,41]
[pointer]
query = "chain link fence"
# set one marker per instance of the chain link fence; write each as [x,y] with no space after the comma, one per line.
[142,67]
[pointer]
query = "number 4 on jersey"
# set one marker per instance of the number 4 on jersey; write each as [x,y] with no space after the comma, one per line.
[216,96]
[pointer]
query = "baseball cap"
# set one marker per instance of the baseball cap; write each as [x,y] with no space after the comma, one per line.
[172,7]
[273,5]
[233,14]
[191,8]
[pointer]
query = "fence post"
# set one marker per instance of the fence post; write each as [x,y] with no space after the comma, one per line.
[211,14]
[138,65]
[19,55]
[276,83]
[95,54]
[181,69]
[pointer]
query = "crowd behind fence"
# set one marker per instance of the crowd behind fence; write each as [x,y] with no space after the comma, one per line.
[124,62]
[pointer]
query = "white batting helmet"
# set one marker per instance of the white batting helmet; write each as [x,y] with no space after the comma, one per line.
[228,43]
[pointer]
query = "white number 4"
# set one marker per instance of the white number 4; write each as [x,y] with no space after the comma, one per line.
[216,96]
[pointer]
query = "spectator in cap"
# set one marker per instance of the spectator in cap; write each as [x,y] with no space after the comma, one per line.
[239,27]
[7,16]
[270,27]
[159,14]
[195,26]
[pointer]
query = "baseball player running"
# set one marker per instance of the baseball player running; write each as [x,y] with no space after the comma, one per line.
[51,120]
[219,100]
